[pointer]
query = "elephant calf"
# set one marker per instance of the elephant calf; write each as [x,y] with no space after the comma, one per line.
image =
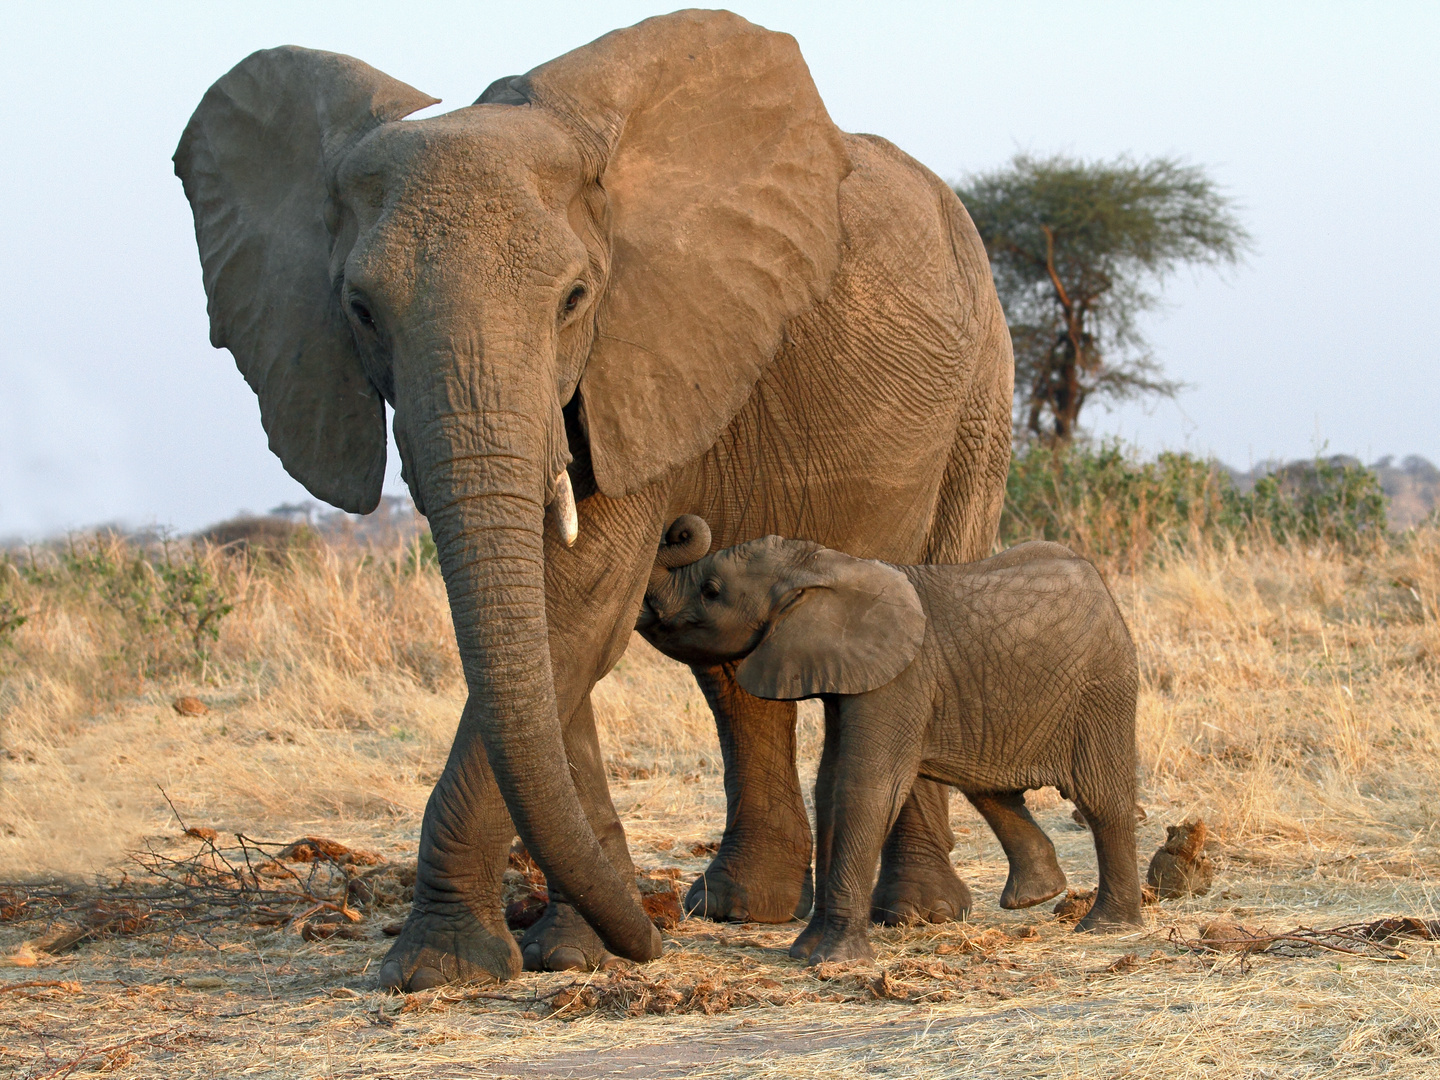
[995,677]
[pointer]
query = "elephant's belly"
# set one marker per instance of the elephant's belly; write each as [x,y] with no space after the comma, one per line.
[996,755]
[977,742]
[977,778]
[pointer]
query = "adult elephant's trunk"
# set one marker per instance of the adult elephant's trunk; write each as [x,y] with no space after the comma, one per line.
[484,500]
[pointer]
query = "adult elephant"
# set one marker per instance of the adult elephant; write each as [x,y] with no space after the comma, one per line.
[650,277]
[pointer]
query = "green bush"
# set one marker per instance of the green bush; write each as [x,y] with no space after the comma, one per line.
[420,554]
[1327,501]
[168,601]
[1111,506]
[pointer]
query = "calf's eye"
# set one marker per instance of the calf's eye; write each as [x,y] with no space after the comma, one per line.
[710,590]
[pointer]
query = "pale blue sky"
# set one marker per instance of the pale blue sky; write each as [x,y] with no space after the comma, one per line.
[1320,119]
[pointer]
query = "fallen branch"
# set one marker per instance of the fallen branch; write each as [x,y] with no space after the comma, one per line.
[28,983]
[1370,941]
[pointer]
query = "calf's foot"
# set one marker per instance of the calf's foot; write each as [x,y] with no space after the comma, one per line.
[804,945]
[448,944]
[1035,876]
[838,948]
[1032,883]
[1111,816]
[1110,913]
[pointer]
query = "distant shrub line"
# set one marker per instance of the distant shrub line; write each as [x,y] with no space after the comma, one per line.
[1113,507]
[167,601]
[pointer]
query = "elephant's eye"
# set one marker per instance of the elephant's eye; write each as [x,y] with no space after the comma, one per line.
[710,590]
[573,300]
[362,313]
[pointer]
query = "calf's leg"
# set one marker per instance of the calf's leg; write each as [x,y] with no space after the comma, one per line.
[874,771]
[1104,793]
[824,832]
[1035,875]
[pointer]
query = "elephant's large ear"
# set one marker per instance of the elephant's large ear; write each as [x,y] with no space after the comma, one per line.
[722,171]
[845,626]
[256,160]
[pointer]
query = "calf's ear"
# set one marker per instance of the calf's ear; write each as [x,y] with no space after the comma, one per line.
[844,627]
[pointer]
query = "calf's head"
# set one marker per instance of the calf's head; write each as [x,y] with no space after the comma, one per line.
[801,619]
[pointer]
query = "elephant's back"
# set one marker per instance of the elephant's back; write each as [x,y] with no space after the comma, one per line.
[887,188]
[913,261]
[847,435]
[1028,630]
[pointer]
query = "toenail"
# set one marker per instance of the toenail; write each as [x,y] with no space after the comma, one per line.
[565,958]
[426,978]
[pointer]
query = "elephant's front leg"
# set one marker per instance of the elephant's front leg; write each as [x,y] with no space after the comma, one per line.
[456,930]
[762,870]
[592,594]
[562,940]
[868,792]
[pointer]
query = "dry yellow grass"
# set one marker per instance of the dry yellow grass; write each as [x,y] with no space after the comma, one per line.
[1290,698]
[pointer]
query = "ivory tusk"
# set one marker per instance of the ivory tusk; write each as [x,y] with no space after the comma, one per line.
[564,506]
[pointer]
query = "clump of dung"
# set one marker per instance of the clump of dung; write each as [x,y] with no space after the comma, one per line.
[1181,867]
[526,896]
[1075,905]
[319,849]
[1222,935]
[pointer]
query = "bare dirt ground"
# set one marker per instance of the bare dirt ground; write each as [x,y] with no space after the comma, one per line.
[1291,699]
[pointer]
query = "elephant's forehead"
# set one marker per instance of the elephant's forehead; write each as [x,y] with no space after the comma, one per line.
[466,160]
[750,564]
[485,187]
[766,552]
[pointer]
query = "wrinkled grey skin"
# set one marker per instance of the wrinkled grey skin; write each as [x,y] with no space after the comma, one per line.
[654,273]
[996,677]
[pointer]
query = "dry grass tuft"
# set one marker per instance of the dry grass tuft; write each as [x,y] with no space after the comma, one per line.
[329,698]
[1289,697]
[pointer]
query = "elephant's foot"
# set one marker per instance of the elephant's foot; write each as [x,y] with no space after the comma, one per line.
[920,891]
[762,871]
[766,894]
[1110,913]
[452,946]
[839,948]
[563,941]
[1032,883]
[810,937]
[1035,876]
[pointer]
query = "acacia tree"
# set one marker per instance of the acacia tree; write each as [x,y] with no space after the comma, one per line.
[1078,251]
